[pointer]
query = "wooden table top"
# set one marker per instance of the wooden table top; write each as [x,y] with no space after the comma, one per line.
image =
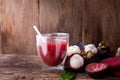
[19,67]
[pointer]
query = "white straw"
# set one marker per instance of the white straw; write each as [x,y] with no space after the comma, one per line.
[38,32]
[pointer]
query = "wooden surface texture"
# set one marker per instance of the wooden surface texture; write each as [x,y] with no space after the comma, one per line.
[88,21]
[24,67]
[17,19]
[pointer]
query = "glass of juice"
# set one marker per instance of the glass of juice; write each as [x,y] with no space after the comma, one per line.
[52,48]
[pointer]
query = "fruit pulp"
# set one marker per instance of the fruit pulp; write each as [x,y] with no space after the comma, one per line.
[94,67]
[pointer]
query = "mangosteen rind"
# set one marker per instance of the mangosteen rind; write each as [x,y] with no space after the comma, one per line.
[97,74]
[74,65]
[80,45]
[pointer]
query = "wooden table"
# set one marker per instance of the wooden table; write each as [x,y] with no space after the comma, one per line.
[19,67]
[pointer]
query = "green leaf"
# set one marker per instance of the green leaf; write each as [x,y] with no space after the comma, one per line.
[68,74]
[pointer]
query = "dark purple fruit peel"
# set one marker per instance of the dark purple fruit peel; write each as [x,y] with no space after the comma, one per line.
[96,70]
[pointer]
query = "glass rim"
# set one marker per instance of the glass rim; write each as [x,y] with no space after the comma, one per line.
[57,35]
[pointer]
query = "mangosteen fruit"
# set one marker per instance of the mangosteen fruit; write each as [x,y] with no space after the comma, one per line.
[73,49]
[94,58]
[103,48]
[118,52]
[96,70]
[90,54]
[74,62]
[91,47]
[80,45]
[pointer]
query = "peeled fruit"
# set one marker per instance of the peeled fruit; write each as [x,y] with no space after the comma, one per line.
[118,52]
[96,70]
[73,49]
[91,48]
[74,62]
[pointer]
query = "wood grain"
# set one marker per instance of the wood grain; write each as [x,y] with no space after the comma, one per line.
[29,67]
[61,16]
[18,17]
[0,27]
[87,21]
[101,21]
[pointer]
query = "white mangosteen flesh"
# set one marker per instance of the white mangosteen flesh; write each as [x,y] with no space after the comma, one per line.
[76,61]
[73,49]
[94,50]
[91,47]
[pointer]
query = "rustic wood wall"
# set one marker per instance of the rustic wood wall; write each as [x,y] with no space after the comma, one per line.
[17,18]
[89,21]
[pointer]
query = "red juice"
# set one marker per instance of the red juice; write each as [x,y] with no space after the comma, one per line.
[52,52]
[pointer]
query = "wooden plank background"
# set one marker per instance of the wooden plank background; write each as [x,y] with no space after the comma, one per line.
[88,21]
[18,16]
